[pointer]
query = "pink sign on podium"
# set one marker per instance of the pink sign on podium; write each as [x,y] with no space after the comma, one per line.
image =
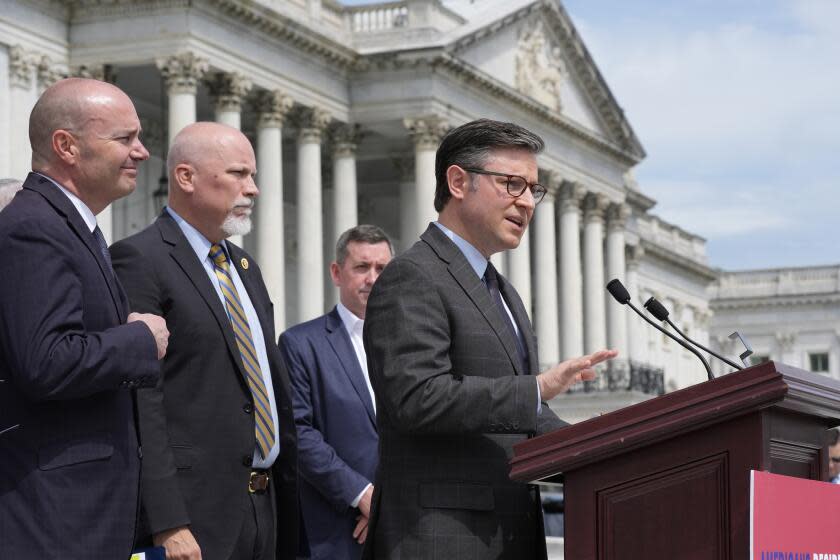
[793,518]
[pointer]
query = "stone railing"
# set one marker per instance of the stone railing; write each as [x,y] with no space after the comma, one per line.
[625,375]
[779,282]
[378,17]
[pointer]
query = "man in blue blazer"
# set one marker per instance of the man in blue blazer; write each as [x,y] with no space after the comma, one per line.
[333,402]
[70,351]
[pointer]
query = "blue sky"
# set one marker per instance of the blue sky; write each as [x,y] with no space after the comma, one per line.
[737,103]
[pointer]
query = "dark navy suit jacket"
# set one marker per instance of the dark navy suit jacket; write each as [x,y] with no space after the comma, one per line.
[337,436]
[69,458]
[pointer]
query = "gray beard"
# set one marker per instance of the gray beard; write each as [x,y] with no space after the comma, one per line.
[235,225]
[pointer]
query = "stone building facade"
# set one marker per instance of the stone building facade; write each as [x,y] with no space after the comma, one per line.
[345,106]
[790,315]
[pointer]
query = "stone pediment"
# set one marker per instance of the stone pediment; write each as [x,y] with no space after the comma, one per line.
[539,67]
[537,51]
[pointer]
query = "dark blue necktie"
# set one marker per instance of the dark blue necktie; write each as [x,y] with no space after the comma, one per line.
[103,246]
[491,280]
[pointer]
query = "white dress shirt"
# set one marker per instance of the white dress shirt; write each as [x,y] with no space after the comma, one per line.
[354,326]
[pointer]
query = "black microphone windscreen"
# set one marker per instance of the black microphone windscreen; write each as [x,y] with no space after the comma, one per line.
[656,309]
[618,291]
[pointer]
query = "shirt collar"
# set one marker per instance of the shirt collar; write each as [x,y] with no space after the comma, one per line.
[81,207]
[473,255]
[200,244]
[351,322]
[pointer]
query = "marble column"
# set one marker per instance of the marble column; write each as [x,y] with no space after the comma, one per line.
[311,123]
[344,139]
[48,73]
[571,304]
[616,268]
[21,100]
[227,90]
[181,74]
[519,270]
[419,209]
[545,263]
[636,349]
[404,167]
[272,108]
[595,321]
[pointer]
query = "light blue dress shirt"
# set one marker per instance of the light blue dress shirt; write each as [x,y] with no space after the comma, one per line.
[201,245]
[479,265]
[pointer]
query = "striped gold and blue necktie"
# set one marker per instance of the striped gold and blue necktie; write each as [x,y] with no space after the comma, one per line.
[264,424]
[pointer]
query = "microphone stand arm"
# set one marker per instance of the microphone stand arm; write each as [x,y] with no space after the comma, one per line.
[694,342]
[672,337]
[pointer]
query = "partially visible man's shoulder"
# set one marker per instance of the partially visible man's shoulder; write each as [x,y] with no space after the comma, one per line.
[29,213]
[143,237]
[305,329]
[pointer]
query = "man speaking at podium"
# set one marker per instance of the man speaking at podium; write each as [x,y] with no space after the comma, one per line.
[453,362]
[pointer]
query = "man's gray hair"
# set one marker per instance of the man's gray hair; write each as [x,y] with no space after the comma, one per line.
[8,188]
[363,233]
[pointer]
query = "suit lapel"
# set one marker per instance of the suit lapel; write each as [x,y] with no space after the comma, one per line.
[343,348]
[475,289]
[183,254]
[64,206]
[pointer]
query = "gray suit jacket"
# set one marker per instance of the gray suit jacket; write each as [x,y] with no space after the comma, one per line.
[451,400]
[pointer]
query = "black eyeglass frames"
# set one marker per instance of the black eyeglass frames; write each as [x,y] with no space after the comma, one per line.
[515,184]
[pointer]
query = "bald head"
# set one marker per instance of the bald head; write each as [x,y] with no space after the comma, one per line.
[70,104]
[211,169]
[198,142]
[85,135]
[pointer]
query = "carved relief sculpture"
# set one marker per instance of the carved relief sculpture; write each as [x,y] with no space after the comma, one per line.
[540,69]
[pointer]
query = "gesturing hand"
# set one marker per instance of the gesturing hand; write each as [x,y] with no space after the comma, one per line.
[559,378]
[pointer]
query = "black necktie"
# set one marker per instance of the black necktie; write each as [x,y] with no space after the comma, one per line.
[491,280]
[103,246]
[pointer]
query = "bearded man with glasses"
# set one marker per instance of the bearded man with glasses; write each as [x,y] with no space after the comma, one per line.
[452,358]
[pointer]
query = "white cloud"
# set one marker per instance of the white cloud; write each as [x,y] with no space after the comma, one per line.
[738,113]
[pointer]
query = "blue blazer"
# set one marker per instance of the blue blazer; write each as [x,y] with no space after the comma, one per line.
[337,437]
[69,459]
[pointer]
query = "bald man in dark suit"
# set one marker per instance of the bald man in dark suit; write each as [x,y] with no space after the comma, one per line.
[70,351]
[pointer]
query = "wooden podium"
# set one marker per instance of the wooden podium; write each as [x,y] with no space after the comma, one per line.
[670,477]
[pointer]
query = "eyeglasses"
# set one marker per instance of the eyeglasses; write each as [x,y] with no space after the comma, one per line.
[515,184]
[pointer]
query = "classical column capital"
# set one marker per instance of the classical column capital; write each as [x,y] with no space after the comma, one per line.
[570,194]
[182,72]
[633,255]
[426,131]
[21,67]
[272,107]
[594,206]
[617,214]
[344,138]
[311,123]
[49,73]
[228,89]
[551,180]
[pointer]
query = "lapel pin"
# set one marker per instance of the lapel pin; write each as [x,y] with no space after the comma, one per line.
[244,263]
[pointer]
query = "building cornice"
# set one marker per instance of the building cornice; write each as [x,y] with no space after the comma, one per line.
[440,60]
[742,303]
[256,17]
[704,272]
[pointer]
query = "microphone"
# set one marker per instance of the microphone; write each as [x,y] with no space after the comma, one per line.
[658,310]
[622,296]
